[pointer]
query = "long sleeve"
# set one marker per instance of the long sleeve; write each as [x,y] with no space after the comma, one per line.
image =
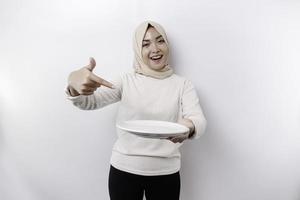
[192,110]
[147,98]
[103,96]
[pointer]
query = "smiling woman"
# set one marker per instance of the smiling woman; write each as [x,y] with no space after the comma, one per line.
[151,49]
[155,51]
[152,92]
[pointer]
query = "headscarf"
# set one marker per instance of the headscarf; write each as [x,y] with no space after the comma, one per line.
[139,66]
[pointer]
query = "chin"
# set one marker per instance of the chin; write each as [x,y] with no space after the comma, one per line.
[157,68]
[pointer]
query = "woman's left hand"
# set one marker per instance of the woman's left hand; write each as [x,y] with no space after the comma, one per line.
[188,123]
[180,138]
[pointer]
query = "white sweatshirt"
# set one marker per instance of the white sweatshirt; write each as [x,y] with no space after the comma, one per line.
[146,98]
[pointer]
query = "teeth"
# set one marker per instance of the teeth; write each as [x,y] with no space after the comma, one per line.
[156,57]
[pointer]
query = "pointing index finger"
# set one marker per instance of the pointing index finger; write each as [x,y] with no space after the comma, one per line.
[101,81]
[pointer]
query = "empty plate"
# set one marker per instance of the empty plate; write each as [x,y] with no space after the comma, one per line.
[153,128]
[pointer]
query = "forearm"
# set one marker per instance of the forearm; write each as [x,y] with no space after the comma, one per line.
[98,99]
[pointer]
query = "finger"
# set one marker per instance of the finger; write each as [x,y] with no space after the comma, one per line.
[173,139]
[179,139]
[91,65]
[97,79]
[90,81]
[92,84]
[87,93]
[88,88]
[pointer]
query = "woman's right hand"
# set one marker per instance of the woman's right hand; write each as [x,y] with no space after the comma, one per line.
[85,82]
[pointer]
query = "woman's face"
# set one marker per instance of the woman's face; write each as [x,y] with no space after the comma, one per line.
[154,49]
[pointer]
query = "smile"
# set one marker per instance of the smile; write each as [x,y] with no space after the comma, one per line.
[156,57]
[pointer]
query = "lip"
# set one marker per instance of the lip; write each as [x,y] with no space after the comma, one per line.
[156,55]
[157,62]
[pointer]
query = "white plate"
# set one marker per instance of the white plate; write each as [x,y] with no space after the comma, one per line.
[153,128]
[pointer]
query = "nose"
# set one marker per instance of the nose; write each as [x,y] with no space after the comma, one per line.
[154,48]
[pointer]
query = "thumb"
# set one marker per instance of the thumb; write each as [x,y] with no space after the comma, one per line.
[92,64]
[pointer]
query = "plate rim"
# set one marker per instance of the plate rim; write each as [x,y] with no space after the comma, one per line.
[139,132]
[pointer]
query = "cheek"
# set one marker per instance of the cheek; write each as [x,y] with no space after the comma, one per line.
[145,55]
[166,50]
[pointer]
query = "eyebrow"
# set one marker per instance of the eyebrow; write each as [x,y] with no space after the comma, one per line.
[155,38]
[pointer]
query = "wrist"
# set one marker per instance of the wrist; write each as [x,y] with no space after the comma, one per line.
[189,124]
[192,132]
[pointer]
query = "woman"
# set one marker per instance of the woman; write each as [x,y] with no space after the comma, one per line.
[143,165]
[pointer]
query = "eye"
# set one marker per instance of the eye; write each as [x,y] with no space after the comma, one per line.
[161,41]
[145,45]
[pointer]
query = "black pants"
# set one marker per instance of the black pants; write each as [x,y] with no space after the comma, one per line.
[127,186]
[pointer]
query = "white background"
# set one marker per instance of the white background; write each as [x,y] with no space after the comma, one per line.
[243,57]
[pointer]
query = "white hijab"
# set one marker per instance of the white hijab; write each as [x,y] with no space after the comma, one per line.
[139,66]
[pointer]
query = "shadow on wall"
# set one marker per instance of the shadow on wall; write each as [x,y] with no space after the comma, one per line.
[1,132]
[2,170]
[12,185]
